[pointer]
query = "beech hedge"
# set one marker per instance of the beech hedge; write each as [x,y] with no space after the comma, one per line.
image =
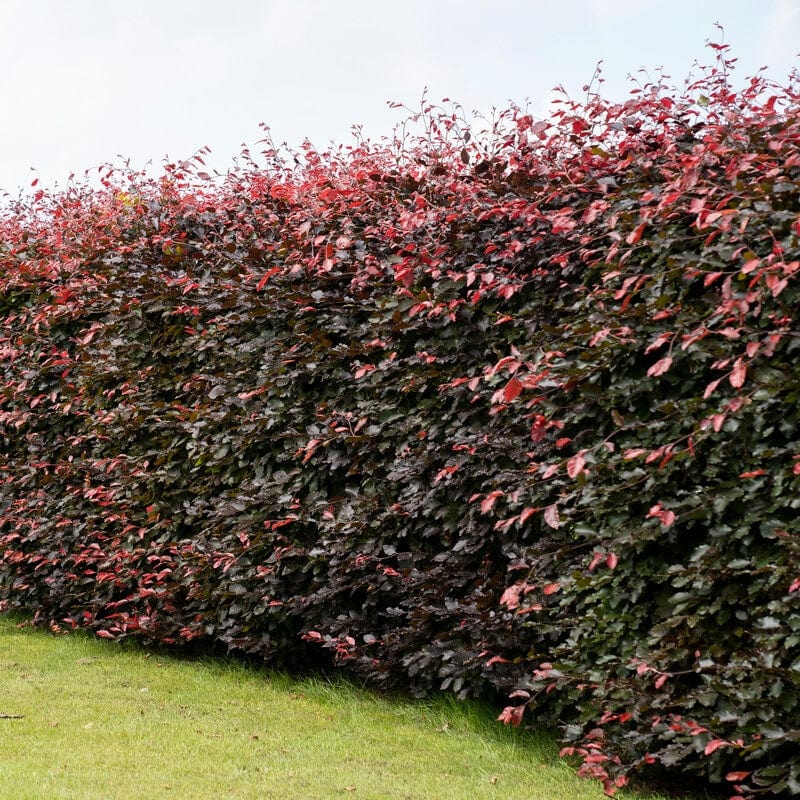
[510,413]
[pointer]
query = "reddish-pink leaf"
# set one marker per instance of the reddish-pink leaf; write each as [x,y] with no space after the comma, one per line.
[267,275]
[510,597]
[612,559]
[659,342]
[710,388]
[526,513]
[633,452]
[664,516]
[738,374]
[661,680]
[576,464]
[660,367]
[512,715]
[716,421]
[736,776]
[596,559]
[550,471]
[636,234]
[551,588]
[551,516]
[529,609]
[715,745]
[512,391]
[489,500]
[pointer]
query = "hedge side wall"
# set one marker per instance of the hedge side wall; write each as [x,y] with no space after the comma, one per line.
[507,414]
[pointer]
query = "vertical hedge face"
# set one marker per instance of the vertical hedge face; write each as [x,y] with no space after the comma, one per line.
[507,414]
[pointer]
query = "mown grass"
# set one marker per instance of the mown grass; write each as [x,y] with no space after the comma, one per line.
[85,719]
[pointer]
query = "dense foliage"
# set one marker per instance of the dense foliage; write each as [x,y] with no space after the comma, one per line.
[506,413]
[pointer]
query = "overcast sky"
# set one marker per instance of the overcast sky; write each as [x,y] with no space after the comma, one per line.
[87,80]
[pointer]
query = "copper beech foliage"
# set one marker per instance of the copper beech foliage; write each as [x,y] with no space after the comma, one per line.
[507,412]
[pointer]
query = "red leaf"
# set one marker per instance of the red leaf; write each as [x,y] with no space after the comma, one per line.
[551,516]
[512,715]
[612,559]
[267,275]
[710,388]
[512,391]
[526,513]
[716,421]
[510,597]
[714,745]
[105,634]
[736,776]
[665,517]
[633,452]
[550,471]
[489,500]
[661,680]
[596,559]
[660,367]
[754,474]
[551,588]
[636,234]
[576,464]
[738,374]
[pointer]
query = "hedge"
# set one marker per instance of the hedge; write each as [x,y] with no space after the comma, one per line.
[506,413]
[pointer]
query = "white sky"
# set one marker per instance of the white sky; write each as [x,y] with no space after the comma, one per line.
[83,81]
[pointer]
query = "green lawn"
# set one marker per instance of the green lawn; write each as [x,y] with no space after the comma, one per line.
[83,718]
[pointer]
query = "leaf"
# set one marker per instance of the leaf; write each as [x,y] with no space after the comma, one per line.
[736,776]
[660,367]
[551,588]
[636,234]
[710,388]
[714,745]
[512,390]
[489,501]
[633,452]
[266,276]
[551,516]
[512,715]
[612,559]
[576,464]
[738,374]
[664,516]
[510,597]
